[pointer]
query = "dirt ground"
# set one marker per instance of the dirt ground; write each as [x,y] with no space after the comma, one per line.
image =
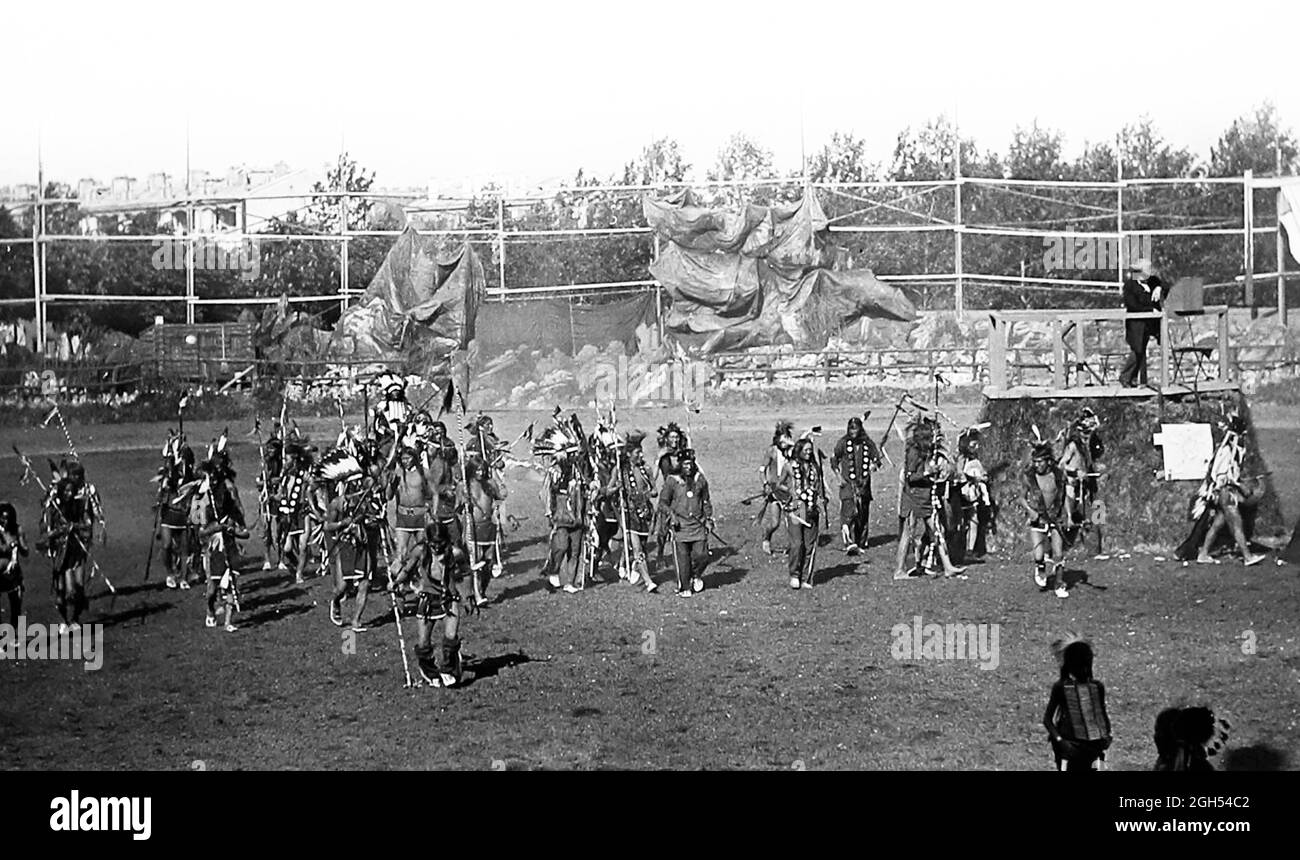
[748,674]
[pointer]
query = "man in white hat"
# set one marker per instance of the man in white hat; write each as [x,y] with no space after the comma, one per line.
[1142,294]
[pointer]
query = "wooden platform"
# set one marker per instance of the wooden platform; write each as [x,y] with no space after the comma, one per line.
[1038,392]
[1180,370]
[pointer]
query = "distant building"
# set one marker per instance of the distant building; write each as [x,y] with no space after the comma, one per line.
[246,198]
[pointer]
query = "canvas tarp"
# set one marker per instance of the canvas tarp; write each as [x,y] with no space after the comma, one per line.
[764,276]
[551,324]
[419,309]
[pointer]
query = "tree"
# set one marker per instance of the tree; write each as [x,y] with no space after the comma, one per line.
[660,162]
[842,159]
[741,159]
[926,154]
[1147,155]
[345,175]
[1253,142]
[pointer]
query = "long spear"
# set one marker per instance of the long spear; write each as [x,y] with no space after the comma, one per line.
[622,493]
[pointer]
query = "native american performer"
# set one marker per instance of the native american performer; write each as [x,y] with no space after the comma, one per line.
[352,531]
[221,525]
[672,442]
[769,517]
[483,442]
[177,483]
[603,495]
[72,510]
[1044,499]
[484,492]
[415,497]
[565,491]
[13,547]
[292,500]
[687,512]
[923,502]
[638,508]
[444,459]
[389,418]
[1219,500]
[1080,456]
[268,482]
[438,598]
[1076,720]
[855,456]
[801,491]
[976,504]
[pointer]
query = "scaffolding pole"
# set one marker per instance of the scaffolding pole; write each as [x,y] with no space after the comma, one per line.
[1248,240]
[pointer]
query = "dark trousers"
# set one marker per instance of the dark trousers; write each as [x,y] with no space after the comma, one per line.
[803,541]
[566,543]
[605,531]
[855,511]
[1134,371]
[691,556]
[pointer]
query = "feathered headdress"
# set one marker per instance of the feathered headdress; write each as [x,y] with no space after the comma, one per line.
[1087,421]
[971,434]
[390,383]
[339,465]
[633,439]
[784,430]
[669,429]
[555,441]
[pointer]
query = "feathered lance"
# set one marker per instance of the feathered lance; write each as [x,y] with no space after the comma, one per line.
[622,491]
[496,508]
[55,412]
[455,401]
[392,596]
[97,505]
[591,539]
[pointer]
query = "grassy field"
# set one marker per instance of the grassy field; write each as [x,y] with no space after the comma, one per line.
[748,674]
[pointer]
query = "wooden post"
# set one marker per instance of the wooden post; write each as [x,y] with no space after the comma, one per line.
[1058,355]
[1119,212]
[38,254]
[959,298]
[189,235]
[501,244]
[1248,240]
[344,254]
[1164,352]
[1281,240]
[1281,263]
[1079,359]
[1225,365]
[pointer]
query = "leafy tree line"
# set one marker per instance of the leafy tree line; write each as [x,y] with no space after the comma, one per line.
[1255,142]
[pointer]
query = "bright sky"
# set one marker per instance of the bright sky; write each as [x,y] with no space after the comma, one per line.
[538,89]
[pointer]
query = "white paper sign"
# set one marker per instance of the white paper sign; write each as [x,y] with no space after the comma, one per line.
[1187,449]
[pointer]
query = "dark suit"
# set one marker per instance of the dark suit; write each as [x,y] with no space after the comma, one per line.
[1137,299]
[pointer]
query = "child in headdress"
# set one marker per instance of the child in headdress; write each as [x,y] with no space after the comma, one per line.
[1187,737]
[1076,720]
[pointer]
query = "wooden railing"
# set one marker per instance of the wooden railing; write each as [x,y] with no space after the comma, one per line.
[1076,370]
